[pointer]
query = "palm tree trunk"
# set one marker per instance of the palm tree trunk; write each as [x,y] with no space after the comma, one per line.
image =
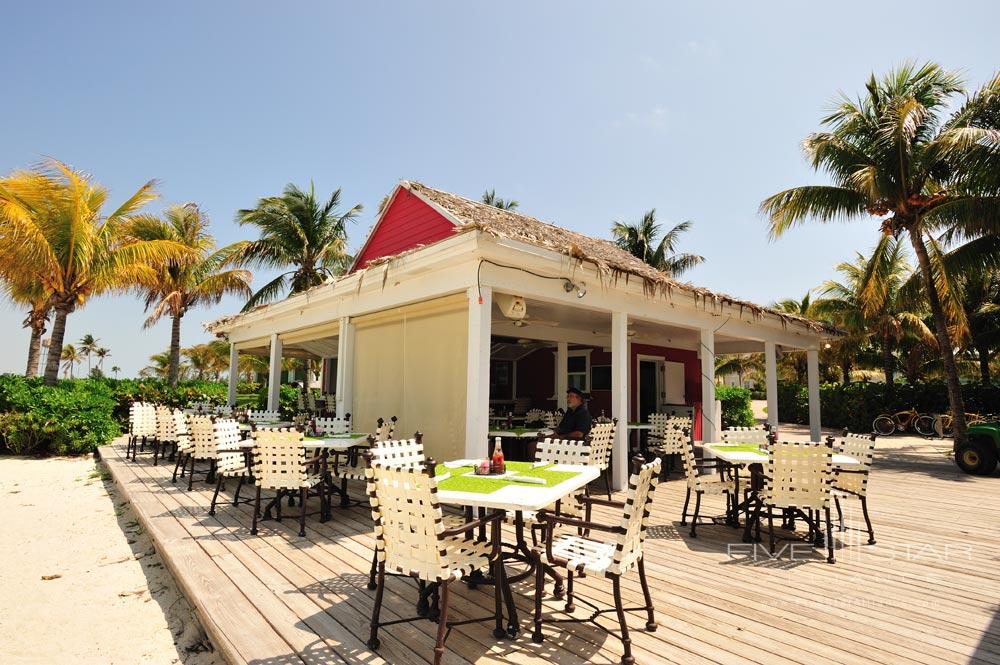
[983,351]
[845,370]
[36,321]
[955,399]
[888,364]
[175,350]
[56,345]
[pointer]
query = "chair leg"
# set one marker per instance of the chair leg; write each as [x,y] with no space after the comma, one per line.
[697,509]
[442,622]
[868,521]
[303,493]
[344,501]
[499,588]
[770,529]
[627,658]
[374,571]
[840,514]
[156,452]
[684,513]
[829,537]
[607,480]
[191,474]
[569,593]
[277,504]
[536,636]
[215,495]
[373,642]
[256,512]
[176,465]
[239,486]
[650,619]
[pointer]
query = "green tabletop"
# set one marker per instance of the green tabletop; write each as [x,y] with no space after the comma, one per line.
[458,482]
[739,448]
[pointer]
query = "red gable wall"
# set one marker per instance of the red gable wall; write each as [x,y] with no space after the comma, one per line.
[407,223]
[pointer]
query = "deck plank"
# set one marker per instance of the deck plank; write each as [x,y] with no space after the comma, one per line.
[926,593]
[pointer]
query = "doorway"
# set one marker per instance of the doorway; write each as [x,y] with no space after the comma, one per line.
[650,387]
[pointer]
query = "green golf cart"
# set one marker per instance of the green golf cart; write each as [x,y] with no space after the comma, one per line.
[980,454]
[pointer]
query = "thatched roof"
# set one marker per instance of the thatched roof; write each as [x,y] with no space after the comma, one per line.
[612,262]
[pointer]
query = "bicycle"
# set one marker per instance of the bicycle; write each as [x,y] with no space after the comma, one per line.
[943,422]
[886,424]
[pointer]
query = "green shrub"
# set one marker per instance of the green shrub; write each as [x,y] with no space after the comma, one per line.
[72,417]
[736,409]
[288,402]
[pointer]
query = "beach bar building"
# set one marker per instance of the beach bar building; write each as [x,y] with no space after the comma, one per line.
[453,306]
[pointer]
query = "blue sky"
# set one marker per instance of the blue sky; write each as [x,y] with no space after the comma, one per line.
[584,112]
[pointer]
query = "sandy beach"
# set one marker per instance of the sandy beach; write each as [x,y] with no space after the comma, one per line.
[81,581]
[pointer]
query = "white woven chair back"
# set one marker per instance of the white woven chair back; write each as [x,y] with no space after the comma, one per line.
[674,440]
[408,521]
[690,465]
[563,451]
[311,402]
[751,435]
[862,448]
[142,419]
[279,458]
[182,430]
[534,416]
[334,425]
[602,436]
[384,429]
[203,436]
[258,417]
[224,411]
[799,475]
[165,425]
[399,452]
[635,521]
[230,457]
[551,418]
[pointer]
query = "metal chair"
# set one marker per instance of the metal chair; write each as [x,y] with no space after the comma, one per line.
[231,459]
[611,559]
[700,484]
[141,427]
[334,425]
[853,481]
[166,432]
[263,417]
[184,443]
[282,464]
[602,436]
[413,541]
[349,465]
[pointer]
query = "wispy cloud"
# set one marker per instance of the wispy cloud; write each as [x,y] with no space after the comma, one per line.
[655,119]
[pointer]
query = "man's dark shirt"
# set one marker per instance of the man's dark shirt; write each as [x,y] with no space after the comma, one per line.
[575,420]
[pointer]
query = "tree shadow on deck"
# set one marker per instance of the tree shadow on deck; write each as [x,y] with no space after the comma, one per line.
[988,649]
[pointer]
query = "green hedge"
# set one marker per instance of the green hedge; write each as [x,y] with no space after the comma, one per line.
[288,401]
[736,409]
[856,405]
[73,417]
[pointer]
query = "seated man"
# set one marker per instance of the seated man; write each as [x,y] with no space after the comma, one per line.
[575,422]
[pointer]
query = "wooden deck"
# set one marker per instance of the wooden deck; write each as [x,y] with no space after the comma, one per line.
[928,592]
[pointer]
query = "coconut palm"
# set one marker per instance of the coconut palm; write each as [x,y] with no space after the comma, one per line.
[870,302]
[102,354]
[116,370]
[740,364]
[29,293]
[490,198]
[198,278]
[159,366]
[896,156]
[52,228]
[88,345]
[300,232]
[795,362]
[642,240]
[200,358]
[70,357]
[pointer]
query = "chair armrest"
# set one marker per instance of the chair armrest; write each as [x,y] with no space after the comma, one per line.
[546,516]
[601,502]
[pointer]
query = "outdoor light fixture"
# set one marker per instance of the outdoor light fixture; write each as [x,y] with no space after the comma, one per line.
[827,345]
[581,289]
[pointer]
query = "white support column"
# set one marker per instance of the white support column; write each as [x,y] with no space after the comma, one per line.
[477,391]
[619,398]
[345,367]
[234,373]
[562,366]
[771,382]
[812,369]
[274,375]
[706,352]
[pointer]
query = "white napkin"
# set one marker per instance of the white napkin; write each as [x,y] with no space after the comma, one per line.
[458,463]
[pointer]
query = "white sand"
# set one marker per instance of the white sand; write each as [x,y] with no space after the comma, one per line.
[113,601]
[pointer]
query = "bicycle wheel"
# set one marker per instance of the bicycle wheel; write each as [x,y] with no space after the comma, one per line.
[946,426]
[884,425]
[924,425]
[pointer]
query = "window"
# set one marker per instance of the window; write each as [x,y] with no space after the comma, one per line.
[600,377]
[501,379]
[577,370]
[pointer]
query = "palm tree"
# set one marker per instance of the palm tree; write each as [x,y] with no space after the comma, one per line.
[198,278]
[159,366]
[70,357]
[52,228]
[895,156]
[31,294]
[102,353]
[88,345]
[490,198]
[200,357]
[116,370]
[299,232]
[796,361]
[643,241]
[740,364]
[872,303]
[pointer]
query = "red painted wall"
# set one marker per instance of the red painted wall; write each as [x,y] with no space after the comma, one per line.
[536,378]
[692,376]
[408,222]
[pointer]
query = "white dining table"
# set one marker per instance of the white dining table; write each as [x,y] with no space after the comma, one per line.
[747,457]
[513,434]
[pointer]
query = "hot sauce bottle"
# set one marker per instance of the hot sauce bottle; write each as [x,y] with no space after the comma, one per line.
[498,465]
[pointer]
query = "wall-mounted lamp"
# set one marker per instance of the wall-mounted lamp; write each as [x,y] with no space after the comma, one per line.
[569,287]
[827,345]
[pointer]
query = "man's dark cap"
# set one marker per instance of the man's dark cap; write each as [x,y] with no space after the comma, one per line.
[576,391]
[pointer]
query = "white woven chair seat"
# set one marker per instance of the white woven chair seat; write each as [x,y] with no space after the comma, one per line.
[582,554]
[344,472]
